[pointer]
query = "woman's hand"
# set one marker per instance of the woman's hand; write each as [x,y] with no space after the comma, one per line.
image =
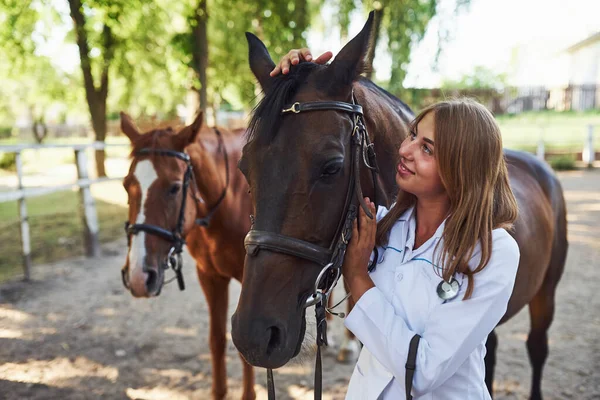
[294,56]
[358,252]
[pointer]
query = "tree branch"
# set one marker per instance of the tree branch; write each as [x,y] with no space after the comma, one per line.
[108,42]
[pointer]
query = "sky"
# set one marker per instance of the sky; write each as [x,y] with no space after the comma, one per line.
[524,38]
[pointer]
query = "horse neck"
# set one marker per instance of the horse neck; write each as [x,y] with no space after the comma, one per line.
[387,123]
[387,120]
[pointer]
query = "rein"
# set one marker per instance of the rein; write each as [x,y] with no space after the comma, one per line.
[332,257]
[175,237]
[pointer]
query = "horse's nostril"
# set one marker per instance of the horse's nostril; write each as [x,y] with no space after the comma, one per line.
[152,281]
[274,339]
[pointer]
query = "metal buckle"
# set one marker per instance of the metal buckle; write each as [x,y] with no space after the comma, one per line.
[344,240]
[295,108]
[365,154]
[172,260]
[321,295]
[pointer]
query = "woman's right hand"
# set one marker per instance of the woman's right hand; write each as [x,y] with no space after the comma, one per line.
[294,56]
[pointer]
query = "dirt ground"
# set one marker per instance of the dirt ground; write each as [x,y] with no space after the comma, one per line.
[75,333]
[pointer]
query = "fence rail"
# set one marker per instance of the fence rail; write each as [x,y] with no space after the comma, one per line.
[89,215]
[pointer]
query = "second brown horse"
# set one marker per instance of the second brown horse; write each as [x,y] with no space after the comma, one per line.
[156,187]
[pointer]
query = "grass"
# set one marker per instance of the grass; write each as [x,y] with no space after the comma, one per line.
[55,228]
[561,131]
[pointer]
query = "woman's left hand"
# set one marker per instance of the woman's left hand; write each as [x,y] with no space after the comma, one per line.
[359,251]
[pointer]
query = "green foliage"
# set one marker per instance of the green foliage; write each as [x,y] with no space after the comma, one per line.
[146,78]
[151,48]
[5,132]
[8,161]
[404,24]
[562,163]
[29,82]
[480,78]
[280,24]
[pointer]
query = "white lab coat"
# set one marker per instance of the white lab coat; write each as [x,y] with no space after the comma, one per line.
[404,302]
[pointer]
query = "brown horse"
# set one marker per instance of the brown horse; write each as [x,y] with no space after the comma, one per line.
[297,166]
[169,202]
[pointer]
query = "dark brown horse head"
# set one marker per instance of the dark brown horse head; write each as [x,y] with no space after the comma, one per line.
[298,167]
[154,187]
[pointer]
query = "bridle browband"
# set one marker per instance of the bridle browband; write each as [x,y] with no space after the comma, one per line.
[175,237]
[332,257]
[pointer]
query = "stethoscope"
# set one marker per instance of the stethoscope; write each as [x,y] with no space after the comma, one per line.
[446,290]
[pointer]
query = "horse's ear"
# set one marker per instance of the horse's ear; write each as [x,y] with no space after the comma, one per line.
[261,63]
[128,127]
[351,60]
[188,134]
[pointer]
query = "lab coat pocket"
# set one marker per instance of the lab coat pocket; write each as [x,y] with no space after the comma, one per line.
[369,379]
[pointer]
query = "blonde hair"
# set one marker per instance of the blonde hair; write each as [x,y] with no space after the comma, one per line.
[468,151]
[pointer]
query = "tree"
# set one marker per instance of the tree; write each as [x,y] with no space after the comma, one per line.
[123,40]
[404,22]
[95,93]
[481,78]
[30,81]
[218,57]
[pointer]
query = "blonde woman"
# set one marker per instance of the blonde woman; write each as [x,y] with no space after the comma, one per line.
[445,266]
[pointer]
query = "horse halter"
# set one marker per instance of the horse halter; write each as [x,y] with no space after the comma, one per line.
[330,258]
[175,237]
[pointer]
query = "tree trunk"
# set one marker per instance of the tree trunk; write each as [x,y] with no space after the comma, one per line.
[40,130]
[96,97]
[200,51]
[374,39]
[98,113]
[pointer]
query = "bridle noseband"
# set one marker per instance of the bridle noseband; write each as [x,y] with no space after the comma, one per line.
[175,237]
[332,257]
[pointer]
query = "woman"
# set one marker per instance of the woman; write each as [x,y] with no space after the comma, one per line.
[446,264]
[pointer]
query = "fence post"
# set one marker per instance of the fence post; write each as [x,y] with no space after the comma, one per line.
[24,221]
[88,207]
[589,154]
[541,151]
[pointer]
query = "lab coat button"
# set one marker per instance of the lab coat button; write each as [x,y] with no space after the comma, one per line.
[399,276]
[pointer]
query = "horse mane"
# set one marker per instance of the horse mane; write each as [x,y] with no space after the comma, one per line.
[266,116]
[397,104]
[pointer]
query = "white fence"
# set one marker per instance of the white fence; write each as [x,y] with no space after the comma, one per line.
[588,154]
[83,182]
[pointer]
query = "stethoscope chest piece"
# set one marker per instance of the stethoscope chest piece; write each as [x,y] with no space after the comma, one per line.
[448,290]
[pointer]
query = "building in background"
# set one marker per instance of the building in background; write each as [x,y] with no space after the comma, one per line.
[583,91]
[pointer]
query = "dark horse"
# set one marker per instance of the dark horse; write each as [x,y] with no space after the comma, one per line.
[169,203]
[297,166]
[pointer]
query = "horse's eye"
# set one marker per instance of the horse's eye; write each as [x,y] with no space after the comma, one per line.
[175,188]
[331,168]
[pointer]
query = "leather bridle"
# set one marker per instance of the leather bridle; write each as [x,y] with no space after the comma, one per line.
[175,237]
[332,257]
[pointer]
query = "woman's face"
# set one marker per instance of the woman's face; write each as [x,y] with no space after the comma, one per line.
[417,172]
